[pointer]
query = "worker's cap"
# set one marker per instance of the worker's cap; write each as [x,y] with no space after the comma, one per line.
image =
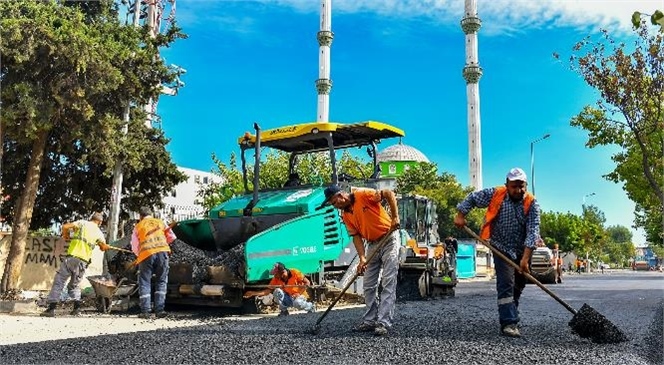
[330,191]
[144,211]
[277,268]
[516,174]
[97,217]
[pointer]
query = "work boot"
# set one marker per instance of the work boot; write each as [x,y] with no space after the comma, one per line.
[511,330]
[77,308]
[283,313]
[161,314]
[364,327]
[380,330]
[50,312]
[145,315]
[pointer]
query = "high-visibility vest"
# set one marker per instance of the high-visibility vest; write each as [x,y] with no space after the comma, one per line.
[151,238]
[82,241]
[494,207]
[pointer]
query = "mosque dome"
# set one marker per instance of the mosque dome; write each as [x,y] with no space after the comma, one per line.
[401,152]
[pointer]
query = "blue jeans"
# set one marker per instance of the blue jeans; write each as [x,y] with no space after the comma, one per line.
[284,301]
[509,285]
[156,264]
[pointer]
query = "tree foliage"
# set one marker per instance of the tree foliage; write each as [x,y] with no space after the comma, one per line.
[656,18]
[630,115]
[67,73]
[313,168]
[445,191]
[587,234]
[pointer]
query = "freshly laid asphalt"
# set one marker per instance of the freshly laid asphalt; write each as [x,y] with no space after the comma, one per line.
[460,330]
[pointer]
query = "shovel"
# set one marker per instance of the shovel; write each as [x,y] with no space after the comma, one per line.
[587,322]
[316,327]
[120,249]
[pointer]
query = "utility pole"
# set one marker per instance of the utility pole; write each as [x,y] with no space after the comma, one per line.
[116,187]
[153,10]
[532,158]
[324,83]
[472,72]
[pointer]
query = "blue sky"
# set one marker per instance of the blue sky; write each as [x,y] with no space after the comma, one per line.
[400,62]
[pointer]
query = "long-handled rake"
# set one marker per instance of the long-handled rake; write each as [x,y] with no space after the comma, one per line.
[316,327]
[587,322]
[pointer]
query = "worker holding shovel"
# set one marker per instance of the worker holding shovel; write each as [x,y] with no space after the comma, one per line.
[366,219]
[511,224]
[83,236]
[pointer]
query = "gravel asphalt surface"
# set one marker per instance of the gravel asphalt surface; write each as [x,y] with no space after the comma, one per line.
[461,330]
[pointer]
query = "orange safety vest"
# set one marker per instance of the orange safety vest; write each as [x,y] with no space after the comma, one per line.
[151,238]
[494,208]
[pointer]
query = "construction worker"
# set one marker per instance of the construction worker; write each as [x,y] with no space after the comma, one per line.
[83,236]
[150,242]
[512,225]
[290,289]
[559,268]
[366,219]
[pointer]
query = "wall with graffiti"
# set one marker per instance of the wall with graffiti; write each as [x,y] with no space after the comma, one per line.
[43,256]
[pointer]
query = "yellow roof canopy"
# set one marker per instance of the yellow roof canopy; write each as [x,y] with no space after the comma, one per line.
[313,136]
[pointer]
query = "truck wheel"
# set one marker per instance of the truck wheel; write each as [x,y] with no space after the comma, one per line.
[549,277]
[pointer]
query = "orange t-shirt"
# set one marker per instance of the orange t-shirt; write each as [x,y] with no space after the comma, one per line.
[296,278]
[366,216]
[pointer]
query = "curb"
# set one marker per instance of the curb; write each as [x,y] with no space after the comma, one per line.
[27,306]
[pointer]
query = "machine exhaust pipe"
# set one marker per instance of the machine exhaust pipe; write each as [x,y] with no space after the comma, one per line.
[248,210]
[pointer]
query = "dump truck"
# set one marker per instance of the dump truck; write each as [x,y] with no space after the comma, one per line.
[543,265]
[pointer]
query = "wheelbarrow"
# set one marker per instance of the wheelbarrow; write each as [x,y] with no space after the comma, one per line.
[110,293]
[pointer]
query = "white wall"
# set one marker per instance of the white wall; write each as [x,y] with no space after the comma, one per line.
[182,203]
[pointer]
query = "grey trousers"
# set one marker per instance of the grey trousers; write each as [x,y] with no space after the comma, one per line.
[384,265]
[72,269]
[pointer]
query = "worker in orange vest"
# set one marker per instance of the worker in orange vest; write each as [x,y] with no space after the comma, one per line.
[150,242]
[512,225]
[559,268]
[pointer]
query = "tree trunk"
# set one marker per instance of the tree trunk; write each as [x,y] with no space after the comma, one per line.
[23,215]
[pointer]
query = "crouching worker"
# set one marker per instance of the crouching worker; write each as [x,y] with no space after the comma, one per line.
[290,289]
[83,236]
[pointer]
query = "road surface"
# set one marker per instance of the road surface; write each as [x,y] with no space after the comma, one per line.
[461,330]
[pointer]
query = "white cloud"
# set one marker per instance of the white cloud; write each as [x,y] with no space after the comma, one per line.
[498,16]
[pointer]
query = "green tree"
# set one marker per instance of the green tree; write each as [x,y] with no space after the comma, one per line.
[565,229]
[656,18]
[619,253]
[312,168]
[619,234]
[630,115]
[66,76]
[445,191]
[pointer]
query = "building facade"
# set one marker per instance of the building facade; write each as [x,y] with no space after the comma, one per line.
[183,202]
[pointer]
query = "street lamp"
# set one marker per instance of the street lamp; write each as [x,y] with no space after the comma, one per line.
[532,158]
[583,206]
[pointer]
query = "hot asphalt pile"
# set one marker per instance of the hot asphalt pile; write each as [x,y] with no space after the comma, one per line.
[182,253]
[460,330]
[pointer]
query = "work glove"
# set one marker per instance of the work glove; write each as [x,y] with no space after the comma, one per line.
[104,247]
